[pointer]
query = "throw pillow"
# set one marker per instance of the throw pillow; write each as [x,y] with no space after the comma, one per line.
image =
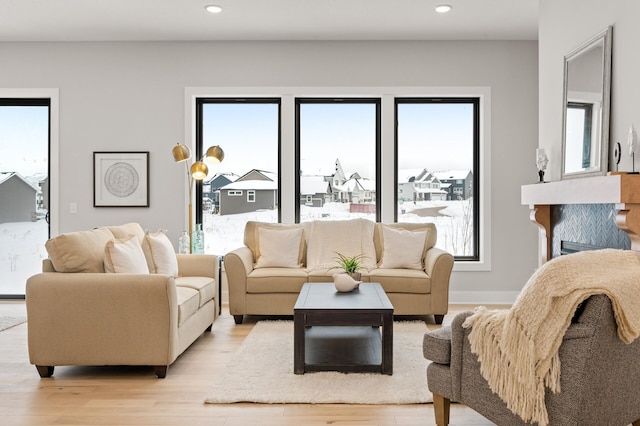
[161,256]
[81,251]
[279,248]
[125,257]
[403,248]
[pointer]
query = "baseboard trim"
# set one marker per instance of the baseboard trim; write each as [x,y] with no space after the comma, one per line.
[483,297]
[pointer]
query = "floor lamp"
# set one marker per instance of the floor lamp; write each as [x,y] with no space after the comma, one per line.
[196,172]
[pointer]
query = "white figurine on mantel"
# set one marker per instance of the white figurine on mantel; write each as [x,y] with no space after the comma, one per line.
[541,162]
[632,142]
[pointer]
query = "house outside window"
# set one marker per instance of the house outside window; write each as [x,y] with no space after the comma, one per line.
[338,141]
[438,142]
[248,130]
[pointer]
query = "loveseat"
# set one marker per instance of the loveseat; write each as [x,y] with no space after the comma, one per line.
[266,275]
[117,296]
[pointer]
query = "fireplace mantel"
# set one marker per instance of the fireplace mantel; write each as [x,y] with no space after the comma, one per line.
[622,190]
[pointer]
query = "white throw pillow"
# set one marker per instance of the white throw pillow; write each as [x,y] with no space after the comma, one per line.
[125,257]
[403,248]
[161,254]
[279,248]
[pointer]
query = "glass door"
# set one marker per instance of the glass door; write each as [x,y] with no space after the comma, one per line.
[24,191]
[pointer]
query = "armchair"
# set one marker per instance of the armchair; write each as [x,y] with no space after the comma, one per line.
[599,380]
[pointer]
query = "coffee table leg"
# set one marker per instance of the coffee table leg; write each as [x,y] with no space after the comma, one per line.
[298,343]
[387,344]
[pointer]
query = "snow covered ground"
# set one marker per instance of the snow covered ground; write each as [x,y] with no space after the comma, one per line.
[21,253]
[225,233]
[22,244]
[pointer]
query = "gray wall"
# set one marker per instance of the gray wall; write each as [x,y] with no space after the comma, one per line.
[130,96]
[564,25]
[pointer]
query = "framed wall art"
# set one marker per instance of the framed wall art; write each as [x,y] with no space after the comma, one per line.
[121,179]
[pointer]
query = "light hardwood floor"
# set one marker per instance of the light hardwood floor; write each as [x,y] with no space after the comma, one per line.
[133,396]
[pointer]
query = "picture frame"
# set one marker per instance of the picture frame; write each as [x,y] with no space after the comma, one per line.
[121,179]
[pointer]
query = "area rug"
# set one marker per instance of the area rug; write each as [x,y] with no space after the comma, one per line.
[262,371]
[9,322]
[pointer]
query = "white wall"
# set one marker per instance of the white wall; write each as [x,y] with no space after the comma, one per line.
[130,96]
[564,25]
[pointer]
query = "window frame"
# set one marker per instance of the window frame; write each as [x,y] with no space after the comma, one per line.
[35,98]
[200,102]
[377,101]
[251,195]
[476,171]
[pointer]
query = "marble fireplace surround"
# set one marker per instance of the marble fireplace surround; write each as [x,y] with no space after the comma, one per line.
[622,191]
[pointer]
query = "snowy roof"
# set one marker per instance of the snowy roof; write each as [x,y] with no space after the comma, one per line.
[405,174]
[251,184]
[5,176]
[313,185]
[452,174]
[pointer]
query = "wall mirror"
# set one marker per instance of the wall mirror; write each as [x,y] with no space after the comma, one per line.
[587,84]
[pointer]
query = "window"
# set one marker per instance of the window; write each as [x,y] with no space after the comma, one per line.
[437,143]
[248,130]
[24,190]
[337,141]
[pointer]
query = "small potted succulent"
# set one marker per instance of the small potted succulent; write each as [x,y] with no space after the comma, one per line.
[350,264]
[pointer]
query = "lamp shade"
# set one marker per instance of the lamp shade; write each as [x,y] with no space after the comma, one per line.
[215,153]
[181,153]
[199,170]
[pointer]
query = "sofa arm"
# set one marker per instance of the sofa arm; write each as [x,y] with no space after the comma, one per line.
[101,319]
[438,265]
[238,264]
[198,265]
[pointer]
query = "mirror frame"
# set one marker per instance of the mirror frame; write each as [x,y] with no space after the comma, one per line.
[603,134]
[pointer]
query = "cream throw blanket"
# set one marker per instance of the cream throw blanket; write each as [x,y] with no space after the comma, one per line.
[518,348]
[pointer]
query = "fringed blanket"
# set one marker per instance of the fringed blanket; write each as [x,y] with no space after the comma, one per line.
[518,348]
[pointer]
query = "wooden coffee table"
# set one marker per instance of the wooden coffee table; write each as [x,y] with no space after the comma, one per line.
[348,332]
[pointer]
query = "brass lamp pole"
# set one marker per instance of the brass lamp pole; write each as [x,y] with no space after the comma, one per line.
[197,172]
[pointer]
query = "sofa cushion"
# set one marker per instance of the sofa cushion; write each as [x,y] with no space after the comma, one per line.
[276,280]
[188,303]
[122,231]
[125,256]
[279,248]
[327,238]
[403,248]
[324,275]
[378,238]
[251,237]
[81,251]
[436,345]
[401,280]
[160,254]
[205,286]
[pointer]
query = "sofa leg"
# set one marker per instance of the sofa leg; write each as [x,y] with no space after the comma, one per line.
[439,318]
[441,406]
[209,328]
[160,370]
[238,319]
[45,370]
[636,423]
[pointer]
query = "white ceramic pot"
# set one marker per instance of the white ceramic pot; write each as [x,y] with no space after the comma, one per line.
[344,283]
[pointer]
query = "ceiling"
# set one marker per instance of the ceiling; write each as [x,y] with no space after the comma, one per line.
[186,20]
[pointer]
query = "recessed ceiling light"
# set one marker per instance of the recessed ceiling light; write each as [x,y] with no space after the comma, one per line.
[443,8]
[213,8]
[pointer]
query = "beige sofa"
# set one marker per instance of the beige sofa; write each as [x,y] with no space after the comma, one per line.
[270,288]
[78,314]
